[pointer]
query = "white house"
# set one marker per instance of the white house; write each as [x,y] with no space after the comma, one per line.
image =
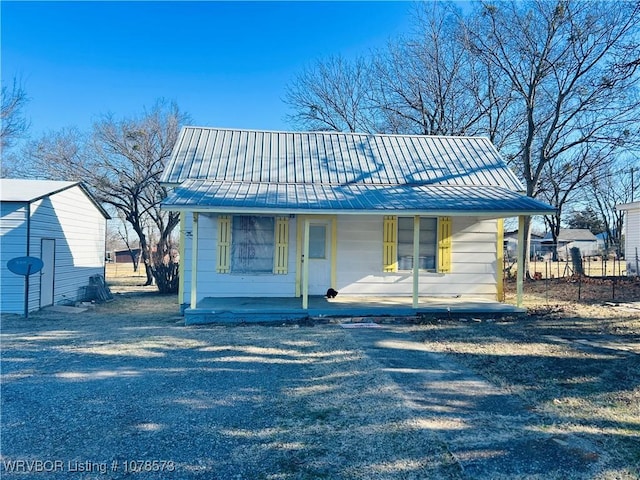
[292,214]
[58,222]
[632,237]
[511,244]
[569,238]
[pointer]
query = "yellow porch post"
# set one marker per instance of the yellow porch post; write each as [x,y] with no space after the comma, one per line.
[305,266]
[521,265]
[416,260]
[183,241]
[334,251]
[194,259]
[500,260]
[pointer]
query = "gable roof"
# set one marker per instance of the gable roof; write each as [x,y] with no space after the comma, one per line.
[572,235]
[29,190]
[23,190]
[290,172]
[335,158]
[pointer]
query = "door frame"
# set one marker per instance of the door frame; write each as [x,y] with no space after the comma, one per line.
[44,273]
[302,245]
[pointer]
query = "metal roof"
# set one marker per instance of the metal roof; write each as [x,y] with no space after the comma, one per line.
[572,235]
[287,198]
[23,190]
[335,158]
[29,190]
[293,172]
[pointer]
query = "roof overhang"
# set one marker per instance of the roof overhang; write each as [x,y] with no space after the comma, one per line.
[628,206]
[351,199]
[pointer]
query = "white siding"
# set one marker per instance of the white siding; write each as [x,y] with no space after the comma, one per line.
[632,237]
[213,284]
[359,263]
[71,219]
[473,271]
[78,228]
[13,243]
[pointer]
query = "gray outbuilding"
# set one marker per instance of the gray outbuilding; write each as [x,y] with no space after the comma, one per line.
[58,222]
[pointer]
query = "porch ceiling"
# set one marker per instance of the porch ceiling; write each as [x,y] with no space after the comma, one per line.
[351,198]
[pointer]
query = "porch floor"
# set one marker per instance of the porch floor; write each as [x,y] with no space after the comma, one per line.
[273,309]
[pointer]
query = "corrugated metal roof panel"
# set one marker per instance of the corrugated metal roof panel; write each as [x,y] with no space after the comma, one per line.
[23,190]
[335,158]
[29,190]
[372,198]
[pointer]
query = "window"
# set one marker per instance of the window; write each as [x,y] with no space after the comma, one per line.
[252,244]
[435,244]
[428,243]
[317,241]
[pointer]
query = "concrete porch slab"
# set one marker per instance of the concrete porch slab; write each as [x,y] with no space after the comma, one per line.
[283,309]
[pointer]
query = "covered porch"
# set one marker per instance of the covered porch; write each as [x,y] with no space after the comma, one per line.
[286,309]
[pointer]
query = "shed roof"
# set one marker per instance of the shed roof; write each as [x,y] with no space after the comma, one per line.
[224,169]
[30,190]
[25,190]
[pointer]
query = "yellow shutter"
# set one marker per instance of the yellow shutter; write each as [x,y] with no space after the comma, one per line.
[224,244]
[390,244]
[281,257]
[444,244]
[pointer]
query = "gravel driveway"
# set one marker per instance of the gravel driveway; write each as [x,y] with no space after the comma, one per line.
[105,395]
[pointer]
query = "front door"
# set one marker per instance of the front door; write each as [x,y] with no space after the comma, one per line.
[320,256]
[47,274]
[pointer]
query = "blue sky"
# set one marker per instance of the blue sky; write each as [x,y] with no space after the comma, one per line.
[224,63]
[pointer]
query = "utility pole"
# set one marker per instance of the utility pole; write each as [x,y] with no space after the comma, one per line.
[632,170]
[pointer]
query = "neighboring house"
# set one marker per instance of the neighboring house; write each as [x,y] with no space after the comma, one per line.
[511,244]
[632,237]
[127,256]
[286,214]
[58,222]
[569,238]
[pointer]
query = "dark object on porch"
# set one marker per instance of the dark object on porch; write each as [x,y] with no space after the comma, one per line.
[331,293]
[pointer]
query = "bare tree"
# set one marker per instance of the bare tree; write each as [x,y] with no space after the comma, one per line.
[573,68]
[608,189]
[332,95]
[14,123]
[121,162]
[429,84]
[563,182]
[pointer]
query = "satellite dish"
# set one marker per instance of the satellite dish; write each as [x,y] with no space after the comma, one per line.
[25,265]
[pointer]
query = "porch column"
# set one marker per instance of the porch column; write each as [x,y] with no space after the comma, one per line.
[500,260]
[181,248]
[194,259]
[521,264]
[305,266]
[416,260]
[334,251]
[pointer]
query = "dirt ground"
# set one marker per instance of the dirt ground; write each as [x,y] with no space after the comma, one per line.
[126,381]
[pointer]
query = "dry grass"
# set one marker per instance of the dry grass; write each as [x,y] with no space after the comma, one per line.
[313,404]
[577,364]
[574,363]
